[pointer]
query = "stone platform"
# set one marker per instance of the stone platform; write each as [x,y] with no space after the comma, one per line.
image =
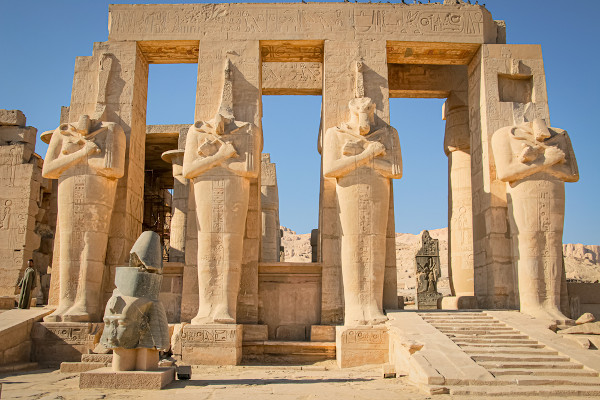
[106,378]
[15,334]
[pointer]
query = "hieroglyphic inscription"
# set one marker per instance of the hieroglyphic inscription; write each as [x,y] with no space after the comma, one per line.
[299,76]
[197,336]
[280,21]
[366,336]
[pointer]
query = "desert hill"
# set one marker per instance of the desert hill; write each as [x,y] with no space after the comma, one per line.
[582,261]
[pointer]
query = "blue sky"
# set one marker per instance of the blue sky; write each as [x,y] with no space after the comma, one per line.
[39,41]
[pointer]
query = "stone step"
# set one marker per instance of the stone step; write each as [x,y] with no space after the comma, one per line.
[527,364]
[490,344]
[471,320]
[271,350]
[465,314]
[544,372]
[492,337]
[517,357]
[521,380]
[475,330]
[514,391]
[508,350]
[472,341]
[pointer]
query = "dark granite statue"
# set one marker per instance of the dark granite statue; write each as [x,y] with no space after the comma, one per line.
[134,318]
[27,284]
[428,269]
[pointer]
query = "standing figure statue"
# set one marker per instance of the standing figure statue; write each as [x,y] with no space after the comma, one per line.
[535,161]
[87,158]
[363,160]
[221,156]
[27,284]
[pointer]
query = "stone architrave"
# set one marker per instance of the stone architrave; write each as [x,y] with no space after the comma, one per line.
[87,158]
[362,157]
[135,321]
[536,160]
[221,156]
[427,265]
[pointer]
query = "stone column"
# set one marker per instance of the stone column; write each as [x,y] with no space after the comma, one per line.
[271,238]
[179,207]
[505,83]
[339,83]
[112,85]
[460,213]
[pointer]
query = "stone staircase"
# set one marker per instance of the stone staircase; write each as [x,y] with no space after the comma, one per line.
[520,365]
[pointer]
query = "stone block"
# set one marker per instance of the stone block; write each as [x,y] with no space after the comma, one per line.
[106,378]
[361,345]
[459,303]
[215,344]
[255,333]
[68,367]
[92,358]
[19,353]
[7,302]
[17,134]
[12,117]
[55,342]
[322,333]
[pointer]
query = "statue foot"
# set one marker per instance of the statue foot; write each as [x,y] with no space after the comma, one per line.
[223,317]
[550,315]
[57,315]
[201,320]
[77,313]
[354,322]
[378,320]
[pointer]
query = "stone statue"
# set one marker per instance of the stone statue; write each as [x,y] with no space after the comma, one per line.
[221,156]
[535,161]
[27,284]
[135,322]
[427,262]
[362,158]
[87,158]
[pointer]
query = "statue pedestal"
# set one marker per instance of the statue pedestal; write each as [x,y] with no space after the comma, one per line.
[106,378]
[428,300]
[361,345]
[55,342]
[214,344]
[459,303]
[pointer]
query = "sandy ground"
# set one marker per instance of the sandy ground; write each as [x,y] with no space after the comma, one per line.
[240,382]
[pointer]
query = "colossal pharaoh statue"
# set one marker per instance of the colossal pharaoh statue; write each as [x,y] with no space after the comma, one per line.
[87,158]
[363,158]
[221,156]
[136,326]
[535,161]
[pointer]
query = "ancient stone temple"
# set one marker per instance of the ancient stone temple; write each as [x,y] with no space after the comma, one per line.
[224,287]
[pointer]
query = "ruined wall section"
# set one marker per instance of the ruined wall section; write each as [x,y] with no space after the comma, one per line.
[27,204]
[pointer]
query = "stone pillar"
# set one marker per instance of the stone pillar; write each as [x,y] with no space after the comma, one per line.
[179,207]
[506,85]
[271,238]
[339,66]
[112,85]
[244,56]
[460,213]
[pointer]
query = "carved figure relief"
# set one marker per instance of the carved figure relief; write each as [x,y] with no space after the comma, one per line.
[221,156]
[363,158]
[427,262]
[87,158]
[535,161]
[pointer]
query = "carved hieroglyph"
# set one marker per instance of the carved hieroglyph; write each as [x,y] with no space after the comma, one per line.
[87,158]
[535,161]
[221,156]
[362,160]
[428,271]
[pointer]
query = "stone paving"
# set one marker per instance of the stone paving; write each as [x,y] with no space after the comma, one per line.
[321,381]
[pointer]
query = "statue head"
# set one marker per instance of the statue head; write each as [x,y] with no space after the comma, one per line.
[126,321]
[362,114]
[540,130]
[83,125]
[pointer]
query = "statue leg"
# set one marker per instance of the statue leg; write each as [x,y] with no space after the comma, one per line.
[354,313]
[68,269]
[231,272]
[94,215]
